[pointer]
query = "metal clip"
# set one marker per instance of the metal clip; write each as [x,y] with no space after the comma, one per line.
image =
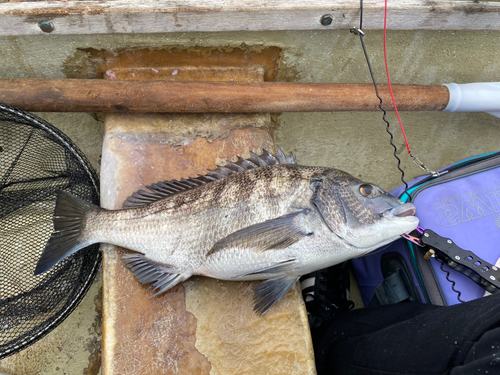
[357,31]
[423,167]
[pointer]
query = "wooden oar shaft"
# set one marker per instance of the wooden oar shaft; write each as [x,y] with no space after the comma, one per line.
[93,95]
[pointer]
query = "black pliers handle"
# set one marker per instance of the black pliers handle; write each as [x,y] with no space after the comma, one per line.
[466,262]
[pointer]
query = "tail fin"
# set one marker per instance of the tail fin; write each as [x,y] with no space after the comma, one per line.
[69,221]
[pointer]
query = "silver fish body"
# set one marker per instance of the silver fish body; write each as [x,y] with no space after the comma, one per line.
[261,218]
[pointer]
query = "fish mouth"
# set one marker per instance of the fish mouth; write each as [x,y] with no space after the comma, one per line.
[405,210]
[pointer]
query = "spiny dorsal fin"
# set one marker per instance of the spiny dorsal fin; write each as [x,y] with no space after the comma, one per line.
[165,189]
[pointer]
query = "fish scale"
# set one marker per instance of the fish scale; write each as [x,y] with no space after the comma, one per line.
[260,218]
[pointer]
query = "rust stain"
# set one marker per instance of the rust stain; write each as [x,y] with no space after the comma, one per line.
[56,12]
[73,9]
[93,63]
[183,161]
[158,335]
[179,129]
[94,344]
[154,335]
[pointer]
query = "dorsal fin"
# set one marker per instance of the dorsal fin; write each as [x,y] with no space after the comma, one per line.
[165,189]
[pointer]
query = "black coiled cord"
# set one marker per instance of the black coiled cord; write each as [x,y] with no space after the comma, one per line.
[453,283]
[360,33]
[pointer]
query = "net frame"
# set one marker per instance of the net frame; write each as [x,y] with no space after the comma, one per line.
[44,301]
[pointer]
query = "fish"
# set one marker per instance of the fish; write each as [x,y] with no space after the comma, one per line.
[263,217]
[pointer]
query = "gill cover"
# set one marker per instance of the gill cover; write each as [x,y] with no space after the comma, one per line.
[337,204]
[328,204]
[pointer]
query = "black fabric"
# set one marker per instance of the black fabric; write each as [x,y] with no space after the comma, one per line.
[392,290]
[329,295]
[412,338]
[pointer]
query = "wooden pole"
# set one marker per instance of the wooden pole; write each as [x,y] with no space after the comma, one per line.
[92,95]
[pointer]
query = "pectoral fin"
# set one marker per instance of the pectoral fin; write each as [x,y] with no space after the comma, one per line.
[278,233]
[281,267]
[271,291]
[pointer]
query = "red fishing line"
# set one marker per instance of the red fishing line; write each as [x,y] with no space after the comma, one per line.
[389,80]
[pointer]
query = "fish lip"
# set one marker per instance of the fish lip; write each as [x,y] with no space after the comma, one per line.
[402,211]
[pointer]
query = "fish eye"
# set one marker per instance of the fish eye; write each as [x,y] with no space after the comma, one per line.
[367,191]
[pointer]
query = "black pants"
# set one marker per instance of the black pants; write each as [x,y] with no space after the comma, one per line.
[412,338]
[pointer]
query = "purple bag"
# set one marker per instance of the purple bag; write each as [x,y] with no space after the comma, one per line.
[462,204]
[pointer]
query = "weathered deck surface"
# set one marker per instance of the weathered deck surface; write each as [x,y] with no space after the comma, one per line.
[203,326]
[160,16]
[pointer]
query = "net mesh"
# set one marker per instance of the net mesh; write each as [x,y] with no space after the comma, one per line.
[36,161]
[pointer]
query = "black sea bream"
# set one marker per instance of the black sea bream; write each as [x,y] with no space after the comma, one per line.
[259,218]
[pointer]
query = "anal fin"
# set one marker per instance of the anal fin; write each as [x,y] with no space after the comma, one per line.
[271,291]
[147,271]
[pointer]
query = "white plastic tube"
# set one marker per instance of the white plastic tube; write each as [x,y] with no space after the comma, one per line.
[474,97]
